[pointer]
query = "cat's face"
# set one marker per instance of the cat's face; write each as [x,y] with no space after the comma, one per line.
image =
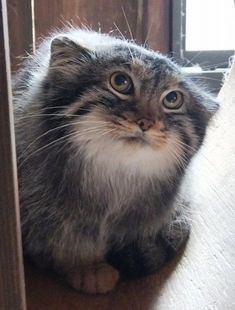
[126,106]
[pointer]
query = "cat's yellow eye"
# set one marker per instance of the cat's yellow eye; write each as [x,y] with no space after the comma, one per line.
[173,100]
[121,82]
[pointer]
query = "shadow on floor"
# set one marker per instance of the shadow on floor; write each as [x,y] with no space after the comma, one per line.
[48,292]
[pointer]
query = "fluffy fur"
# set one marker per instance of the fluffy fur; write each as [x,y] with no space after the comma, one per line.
[96,191]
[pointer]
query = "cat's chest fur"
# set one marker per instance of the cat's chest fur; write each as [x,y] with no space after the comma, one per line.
[119,177]
[113,209]
[120,190]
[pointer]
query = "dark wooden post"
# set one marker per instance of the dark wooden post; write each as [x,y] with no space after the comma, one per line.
[12,292]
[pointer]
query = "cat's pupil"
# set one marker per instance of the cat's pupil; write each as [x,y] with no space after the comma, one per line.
[172,97]
[121,80]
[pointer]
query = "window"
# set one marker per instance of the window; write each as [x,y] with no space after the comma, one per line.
[203,37]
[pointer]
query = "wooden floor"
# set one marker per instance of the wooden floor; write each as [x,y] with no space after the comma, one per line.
[204,278]
[47,292]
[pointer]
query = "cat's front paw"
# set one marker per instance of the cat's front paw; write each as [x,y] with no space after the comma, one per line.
[175,234]
[97,279]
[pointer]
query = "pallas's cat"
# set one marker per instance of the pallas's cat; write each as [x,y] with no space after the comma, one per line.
[105,130]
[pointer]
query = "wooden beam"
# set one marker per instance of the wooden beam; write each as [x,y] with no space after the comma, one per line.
[20,30]
[12,293]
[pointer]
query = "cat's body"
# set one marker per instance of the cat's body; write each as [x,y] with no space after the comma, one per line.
[101,159]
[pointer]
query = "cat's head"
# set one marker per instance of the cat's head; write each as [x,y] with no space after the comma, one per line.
[123,105]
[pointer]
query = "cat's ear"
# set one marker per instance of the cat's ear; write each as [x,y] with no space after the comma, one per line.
[65,51]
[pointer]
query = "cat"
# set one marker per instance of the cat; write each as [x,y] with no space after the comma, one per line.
[105,130]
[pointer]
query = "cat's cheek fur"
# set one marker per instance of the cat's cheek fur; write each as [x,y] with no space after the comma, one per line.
[109,156]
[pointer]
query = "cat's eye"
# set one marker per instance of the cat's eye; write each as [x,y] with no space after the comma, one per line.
[173,100]
[122,83]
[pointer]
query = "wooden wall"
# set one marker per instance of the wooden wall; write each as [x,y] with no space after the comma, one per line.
[146,20]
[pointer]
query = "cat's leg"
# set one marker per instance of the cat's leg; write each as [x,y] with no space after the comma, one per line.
[98,278]
[145,257]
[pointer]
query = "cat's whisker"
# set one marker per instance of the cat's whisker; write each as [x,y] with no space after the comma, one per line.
[204,78]
[56,115]
[96,107]
[148,33]
[59,128]
[83,108]
[128,25]
[180,146]
[203,67]
[54,107]
[104,133]
[132,57]
[107,132]
[77,134]
[210,166]
[193,149]
[42,148]
[59,115]
[92,129]
[190,61]
[119,31]
[101,108]
[178,158]
[185,146]
[217,65]
[189,148]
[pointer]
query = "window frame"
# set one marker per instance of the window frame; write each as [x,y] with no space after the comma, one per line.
[210,59]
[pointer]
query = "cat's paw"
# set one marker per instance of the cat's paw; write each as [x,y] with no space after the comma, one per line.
[176,234]
[98,279]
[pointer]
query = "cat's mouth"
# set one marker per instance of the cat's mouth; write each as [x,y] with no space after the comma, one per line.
[126,130]
[135,137]
[139,138]
[143,131]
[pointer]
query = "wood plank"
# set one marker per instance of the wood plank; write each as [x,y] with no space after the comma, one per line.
[98,14]
[12,295]
[20,30]
[157,25]
[145,21]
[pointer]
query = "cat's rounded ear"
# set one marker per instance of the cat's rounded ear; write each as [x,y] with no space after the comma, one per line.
[64,50]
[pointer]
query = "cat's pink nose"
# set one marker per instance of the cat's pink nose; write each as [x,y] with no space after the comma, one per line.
[145,124]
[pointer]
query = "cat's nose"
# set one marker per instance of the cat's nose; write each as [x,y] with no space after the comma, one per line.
[145,124]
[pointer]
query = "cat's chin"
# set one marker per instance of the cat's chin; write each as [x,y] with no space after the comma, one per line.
[134,138]
[137,139]
[137,142]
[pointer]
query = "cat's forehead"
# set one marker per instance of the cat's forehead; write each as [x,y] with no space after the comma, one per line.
[137,57]
[121,50]
[147,67]
[117,54]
